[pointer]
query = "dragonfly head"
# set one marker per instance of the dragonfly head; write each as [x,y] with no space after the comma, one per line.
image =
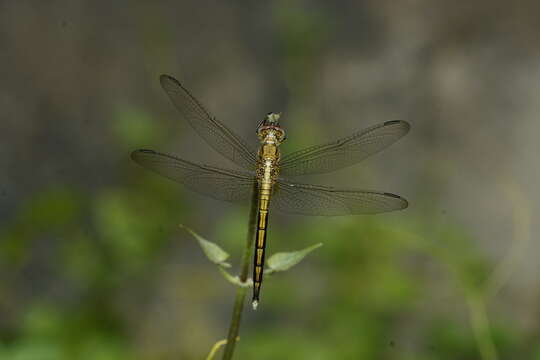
[269,128]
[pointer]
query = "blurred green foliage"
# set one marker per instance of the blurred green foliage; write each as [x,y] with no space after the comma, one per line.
[352,302]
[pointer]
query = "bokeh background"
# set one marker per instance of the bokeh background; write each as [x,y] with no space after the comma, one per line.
[94,266]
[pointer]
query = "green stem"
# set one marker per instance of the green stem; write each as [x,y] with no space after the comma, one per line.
[480,327]
[234,328]
[215,348]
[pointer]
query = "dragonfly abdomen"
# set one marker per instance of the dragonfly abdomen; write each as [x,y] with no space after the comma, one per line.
[260,241]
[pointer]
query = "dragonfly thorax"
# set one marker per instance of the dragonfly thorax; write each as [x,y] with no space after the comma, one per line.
[271,135]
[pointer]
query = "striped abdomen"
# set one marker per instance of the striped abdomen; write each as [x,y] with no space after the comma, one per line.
[260,240]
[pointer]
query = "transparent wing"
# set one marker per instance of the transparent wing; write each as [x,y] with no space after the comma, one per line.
[306,199]
[221,184]
[344,152]
[215,133]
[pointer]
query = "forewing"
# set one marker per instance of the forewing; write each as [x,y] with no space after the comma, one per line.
[221,184]
[344,152]
[215,133]
[307,199]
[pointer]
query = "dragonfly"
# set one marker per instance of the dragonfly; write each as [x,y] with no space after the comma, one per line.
[268,174]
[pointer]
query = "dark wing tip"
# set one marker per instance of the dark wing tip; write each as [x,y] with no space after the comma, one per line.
[402,123]
[146,151]
[167,81]
[135,154]
[165,77]
[404,203]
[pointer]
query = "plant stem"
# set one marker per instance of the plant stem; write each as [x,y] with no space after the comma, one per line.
[215,348]
[480,326]
[234,328]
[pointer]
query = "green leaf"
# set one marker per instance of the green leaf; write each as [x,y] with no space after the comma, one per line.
[213,252]
[235,280]
[285,260]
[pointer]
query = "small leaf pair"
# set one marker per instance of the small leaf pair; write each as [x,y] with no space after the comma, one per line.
[281,261]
